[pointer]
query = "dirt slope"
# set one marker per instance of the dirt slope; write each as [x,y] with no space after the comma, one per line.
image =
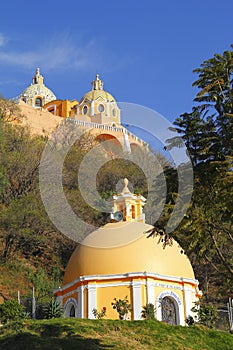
[40,121]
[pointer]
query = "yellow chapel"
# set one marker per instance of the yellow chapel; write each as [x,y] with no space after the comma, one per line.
[118,260]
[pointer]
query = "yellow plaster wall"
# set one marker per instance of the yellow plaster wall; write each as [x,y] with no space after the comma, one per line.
[105,296]
[69,105]
[63,107]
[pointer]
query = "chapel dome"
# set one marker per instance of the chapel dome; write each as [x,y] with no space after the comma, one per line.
[97,92]
[34,90]
[37,94]
[123,247]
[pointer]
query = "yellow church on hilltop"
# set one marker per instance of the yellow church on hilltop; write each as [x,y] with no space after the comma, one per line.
[97,112]
[118,259]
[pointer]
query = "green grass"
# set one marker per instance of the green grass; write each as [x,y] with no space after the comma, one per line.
[77,334]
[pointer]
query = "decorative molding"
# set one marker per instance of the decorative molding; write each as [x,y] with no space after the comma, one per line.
[142,275]
[137,300]
[150,290]
[114,284]
[91,300]
[92,112]
[80,312]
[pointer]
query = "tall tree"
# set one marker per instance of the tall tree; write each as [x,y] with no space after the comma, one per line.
[206,231]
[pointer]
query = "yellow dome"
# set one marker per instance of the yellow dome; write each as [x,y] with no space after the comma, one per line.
[122,247]
[97,92]
[94,95]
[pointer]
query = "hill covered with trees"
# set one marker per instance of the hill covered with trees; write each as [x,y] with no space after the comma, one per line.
[34,253]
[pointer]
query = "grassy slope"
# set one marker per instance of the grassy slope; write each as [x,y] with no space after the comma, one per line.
[73,334]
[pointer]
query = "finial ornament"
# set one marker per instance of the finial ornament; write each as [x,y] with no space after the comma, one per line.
[126,189]
[97,84]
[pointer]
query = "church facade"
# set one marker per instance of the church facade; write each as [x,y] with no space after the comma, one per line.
[97,112]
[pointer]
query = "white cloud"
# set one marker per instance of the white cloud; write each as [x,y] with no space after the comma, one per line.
[3,40]
[58,52]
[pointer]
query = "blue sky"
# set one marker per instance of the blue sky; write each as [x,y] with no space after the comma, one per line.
[144,51]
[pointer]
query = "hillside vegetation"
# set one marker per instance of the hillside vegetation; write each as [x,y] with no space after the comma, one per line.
[73,334]
[32,251]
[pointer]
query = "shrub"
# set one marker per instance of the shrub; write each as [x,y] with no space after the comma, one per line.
[11,310]
[148,312]
[122,306]
[205,314]
[99,314]
[53,309]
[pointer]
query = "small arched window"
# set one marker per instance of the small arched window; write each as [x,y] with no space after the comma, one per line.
[133,211]
[85,110]
[38,102]
[101,108]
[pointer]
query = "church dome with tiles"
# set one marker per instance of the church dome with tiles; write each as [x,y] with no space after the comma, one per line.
[37,94]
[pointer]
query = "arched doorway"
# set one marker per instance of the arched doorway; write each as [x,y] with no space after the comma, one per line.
[72,311]
[71,308]
[169,311]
